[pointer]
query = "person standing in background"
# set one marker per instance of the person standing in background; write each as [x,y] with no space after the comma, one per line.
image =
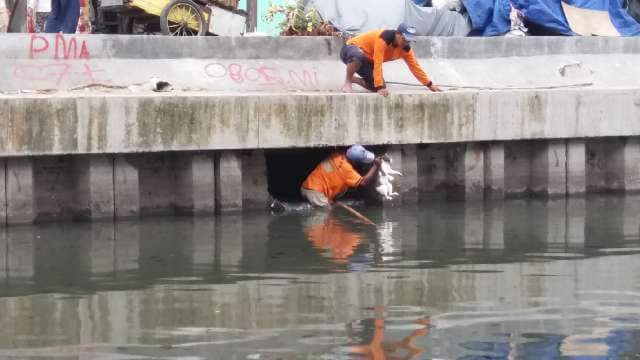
[63,17]
[4,17]
[40,11]
[84,23]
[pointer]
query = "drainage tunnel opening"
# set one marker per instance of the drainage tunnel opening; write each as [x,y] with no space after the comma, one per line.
[287,169]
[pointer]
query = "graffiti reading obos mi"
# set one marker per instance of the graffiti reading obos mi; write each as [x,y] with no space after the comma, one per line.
[264,75]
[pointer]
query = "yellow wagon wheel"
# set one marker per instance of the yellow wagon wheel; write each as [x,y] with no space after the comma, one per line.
[182,18]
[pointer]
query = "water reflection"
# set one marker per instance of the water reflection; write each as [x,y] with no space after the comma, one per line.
[514,279]
[327,233]
[373,343]
[602,344]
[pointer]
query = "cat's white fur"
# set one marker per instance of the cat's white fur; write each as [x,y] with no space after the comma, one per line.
[385,178]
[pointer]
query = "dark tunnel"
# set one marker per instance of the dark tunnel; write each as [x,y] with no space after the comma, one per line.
[288,168]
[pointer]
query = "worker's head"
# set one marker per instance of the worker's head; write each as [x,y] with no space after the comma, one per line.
[357,154]
[405,35]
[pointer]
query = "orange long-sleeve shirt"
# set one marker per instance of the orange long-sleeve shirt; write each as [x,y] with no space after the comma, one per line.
[333,176]
[379,49]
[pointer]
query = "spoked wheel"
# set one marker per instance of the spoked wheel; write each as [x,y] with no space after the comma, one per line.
[182,18]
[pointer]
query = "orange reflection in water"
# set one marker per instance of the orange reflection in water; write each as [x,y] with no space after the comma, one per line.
[326,232]
[380,349]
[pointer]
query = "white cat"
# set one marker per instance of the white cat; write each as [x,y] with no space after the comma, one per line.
[384,186]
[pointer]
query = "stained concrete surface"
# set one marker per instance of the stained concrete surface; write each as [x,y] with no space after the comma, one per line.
[98,123]
[552,116]
[38,61]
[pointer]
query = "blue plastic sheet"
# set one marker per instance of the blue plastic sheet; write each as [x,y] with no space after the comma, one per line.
[491,17]
[626,25]
[488,17]
[545,13]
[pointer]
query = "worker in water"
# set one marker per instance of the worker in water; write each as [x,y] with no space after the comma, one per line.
[335,175]
[364,55]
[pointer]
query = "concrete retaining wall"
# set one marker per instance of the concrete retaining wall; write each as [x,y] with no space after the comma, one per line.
[115,156]
[38,61]
[107,186]
[95,155]
[50,125]
[55,188]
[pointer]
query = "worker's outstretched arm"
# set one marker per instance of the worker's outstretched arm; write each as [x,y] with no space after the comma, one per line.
[372,173]
[378,58]
[416,70]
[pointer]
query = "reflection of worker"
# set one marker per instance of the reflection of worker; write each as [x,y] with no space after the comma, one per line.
[63,17]
[379,349]
[327,233]
[333,176]
[365,54]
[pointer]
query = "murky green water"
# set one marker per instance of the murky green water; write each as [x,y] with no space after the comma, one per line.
[519,279]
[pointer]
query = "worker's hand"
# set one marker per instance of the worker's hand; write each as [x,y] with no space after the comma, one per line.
[377,161]
[435,88]
[383,92]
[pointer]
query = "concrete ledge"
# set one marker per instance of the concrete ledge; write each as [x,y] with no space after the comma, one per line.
[16,46]
[57,62]
[30,46]
[48,125]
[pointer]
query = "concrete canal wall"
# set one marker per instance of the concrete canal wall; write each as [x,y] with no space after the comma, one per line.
[41,61]
[90,154]
[105,156]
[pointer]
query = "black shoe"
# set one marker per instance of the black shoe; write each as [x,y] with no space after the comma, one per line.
[276,207]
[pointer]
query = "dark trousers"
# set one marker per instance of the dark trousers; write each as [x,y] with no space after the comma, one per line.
[63,17]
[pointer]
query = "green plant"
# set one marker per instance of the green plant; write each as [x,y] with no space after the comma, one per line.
[298,19]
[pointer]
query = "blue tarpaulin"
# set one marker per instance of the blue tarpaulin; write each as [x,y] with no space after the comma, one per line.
[488,17]
[626,25]
[491,17]
[547,14]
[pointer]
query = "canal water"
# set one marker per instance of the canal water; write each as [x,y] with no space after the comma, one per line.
[519,279]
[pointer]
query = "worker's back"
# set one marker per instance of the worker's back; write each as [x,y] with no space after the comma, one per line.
[367,43]
[333,176]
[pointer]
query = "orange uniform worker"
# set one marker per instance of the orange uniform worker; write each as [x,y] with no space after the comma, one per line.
[335,175]
[364,54]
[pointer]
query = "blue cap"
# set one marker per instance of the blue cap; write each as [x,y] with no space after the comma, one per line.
[359,154]
[409,32]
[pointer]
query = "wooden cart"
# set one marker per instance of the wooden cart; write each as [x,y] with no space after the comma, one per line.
[171,17]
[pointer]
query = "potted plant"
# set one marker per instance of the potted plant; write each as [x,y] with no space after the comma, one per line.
[299,20]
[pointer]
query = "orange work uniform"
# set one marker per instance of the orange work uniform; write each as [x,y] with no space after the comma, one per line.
[333,176]
[377,46]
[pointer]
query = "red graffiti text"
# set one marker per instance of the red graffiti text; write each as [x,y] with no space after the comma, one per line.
[63,48]
[66,62]
[58,72]
[264,75]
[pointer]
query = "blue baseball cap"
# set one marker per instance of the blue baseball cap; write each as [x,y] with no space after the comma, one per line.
[358,154]
[409,32]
